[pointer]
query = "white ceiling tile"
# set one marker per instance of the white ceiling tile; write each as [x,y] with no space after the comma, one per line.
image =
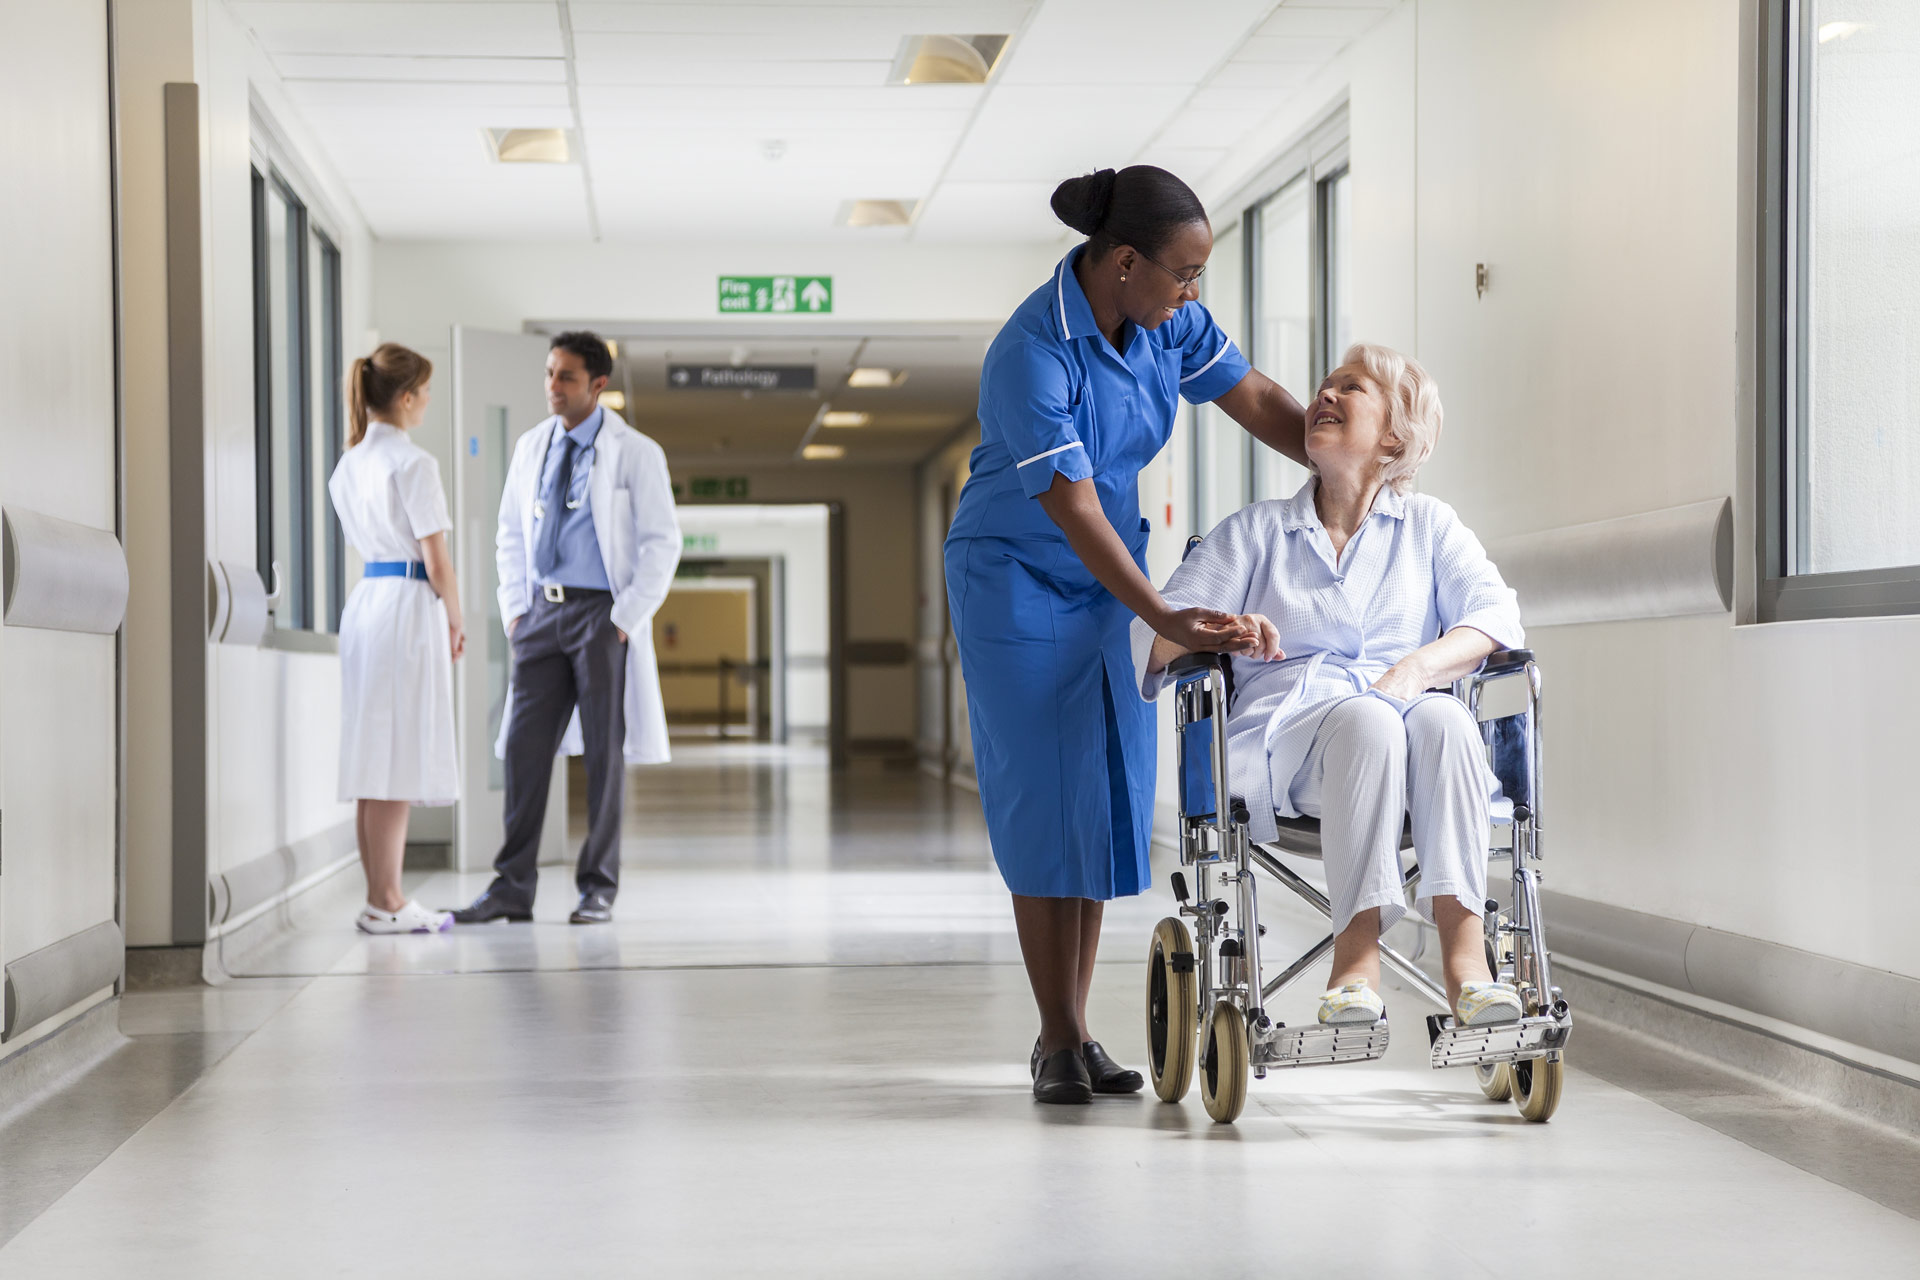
[1140,42]
[1290,49]
[1252,101]
[1279,79]
[322,96]
[899,101]
[799,19]
[398,27]
[1190,164]
[324,66]
[772,122]
[1302,20]
[1031,134]
[976,212]
[1204,129]
[593,66]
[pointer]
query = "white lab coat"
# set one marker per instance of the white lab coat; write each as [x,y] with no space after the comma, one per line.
[631,499]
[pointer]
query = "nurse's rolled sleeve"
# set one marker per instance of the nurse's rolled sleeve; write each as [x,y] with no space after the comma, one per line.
[422,498]
[1030,398]
[1210,365]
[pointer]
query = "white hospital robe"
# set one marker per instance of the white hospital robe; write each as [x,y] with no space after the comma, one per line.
[1411,573]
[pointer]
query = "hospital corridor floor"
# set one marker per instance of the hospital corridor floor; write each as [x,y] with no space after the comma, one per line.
[801,1050]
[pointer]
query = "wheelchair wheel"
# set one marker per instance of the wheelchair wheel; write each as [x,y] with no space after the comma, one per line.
[1224,1063]
[1173,1013]
[1536,1087]
[1496,1080]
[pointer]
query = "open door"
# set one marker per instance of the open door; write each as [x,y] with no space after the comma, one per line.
[498,394]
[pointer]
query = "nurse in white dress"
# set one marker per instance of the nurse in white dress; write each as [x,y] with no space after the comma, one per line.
[400,632]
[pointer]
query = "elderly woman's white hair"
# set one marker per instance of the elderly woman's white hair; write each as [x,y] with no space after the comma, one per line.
[1413,407]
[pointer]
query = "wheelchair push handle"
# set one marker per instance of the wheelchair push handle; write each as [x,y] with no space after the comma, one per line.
[1501,661]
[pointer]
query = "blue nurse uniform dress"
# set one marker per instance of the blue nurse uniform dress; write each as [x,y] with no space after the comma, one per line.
[1063,744]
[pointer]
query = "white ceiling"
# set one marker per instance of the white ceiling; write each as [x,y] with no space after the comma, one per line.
[677,103]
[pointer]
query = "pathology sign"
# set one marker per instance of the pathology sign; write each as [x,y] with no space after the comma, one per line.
[751,377]
[804,295]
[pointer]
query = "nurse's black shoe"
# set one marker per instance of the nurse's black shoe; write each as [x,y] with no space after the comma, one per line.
[1063,1078]
[1107,1075]
[486,908]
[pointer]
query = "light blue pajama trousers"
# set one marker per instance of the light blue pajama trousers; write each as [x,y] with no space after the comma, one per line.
[1375,762]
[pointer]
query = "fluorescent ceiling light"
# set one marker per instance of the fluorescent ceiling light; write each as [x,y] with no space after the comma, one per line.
[946,59]
[529,146]
[613,348]
[614,400]
[844,418]
[877,213]
[876,378]
[1838,30]
[823,452]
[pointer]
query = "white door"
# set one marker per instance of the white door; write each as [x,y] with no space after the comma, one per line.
[498,393]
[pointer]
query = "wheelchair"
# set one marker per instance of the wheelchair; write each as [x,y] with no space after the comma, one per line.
[1206,989]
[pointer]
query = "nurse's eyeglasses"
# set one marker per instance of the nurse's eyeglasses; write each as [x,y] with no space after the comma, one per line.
[1186,282]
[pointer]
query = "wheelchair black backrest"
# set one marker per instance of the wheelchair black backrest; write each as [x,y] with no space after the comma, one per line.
[1226,665]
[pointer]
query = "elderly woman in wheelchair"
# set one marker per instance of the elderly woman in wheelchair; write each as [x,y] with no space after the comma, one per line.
[1356,600]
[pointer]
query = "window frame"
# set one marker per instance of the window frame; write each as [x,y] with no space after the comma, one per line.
[1784,203]
[313,569]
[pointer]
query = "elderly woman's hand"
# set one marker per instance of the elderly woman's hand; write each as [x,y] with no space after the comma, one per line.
[1265,637]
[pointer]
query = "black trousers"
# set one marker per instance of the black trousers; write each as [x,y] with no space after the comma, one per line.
[564,655]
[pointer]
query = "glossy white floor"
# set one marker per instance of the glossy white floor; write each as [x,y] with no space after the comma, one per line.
[801,1050]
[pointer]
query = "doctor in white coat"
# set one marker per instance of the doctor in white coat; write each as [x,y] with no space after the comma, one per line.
[587,547]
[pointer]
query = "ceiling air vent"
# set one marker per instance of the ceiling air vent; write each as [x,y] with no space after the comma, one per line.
[946,59]
[877,213]
[529,146]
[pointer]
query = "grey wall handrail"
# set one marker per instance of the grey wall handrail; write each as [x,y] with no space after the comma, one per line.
[1660,564]
[62,576]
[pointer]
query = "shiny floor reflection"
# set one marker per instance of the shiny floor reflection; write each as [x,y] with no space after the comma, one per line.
[800,1049]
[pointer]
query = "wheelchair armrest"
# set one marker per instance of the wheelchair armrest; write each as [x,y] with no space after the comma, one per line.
[1195,662]
[1501,661]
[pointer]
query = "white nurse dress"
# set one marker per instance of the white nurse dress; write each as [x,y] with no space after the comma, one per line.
[396,670]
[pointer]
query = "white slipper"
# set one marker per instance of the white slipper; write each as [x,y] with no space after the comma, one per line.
[1355,1002]
[412,918]
[1487,1004]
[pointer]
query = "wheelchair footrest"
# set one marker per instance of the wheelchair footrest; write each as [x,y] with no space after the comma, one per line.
[1314,1045]
[1455,1046]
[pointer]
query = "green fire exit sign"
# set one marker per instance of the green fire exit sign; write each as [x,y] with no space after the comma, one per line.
[807,295]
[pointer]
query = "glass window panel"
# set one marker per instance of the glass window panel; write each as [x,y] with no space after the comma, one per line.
[1283,324]
[323,446]
[1858,451]
[283,406]
[1220,445]
[1339,238]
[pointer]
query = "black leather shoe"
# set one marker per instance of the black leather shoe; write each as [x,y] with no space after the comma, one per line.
[486,908]
[1063,1078]
[1107,1075]
[594,908]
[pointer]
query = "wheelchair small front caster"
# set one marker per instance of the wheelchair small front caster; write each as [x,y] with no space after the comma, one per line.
[1496,1080]
[1536,1087]
[1224,1062]
[1173,1010]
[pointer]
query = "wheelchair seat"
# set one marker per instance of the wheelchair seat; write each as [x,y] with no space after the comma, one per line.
[1301,836]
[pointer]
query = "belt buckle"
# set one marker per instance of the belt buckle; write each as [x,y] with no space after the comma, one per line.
[554,592]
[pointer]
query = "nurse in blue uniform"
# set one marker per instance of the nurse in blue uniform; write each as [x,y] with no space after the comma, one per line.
[1046,569]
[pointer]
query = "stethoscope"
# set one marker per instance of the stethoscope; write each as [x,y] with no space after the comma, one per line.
[573,503]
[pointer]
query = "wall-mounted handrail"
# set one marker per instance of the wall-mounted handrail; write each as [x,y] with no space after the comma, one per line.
[1660,564]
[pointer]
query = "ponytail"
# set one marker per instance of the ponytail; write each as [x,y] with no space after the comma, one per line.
[376,382]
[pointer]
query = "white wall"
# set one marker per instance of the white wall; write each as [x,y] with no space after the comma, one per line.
[58,735]
[272,715]
[1752,778]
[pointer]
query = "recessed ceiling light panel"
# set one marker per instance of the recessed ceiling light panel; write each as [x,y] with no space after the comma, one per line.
[614,400]
[823,452]
[876,378]
[877,213]
[529,146]
[946,59]
[845,418]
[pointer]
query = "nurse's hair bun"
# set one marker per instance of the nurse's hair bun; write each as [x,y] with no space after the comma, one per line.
[1140,206]
[1082,203]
